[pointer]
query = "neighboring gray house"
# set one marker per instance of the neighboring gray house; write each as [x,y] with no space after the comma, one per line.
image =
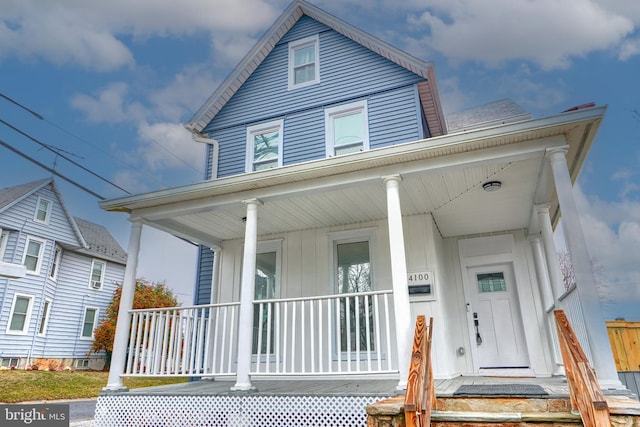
[57,277]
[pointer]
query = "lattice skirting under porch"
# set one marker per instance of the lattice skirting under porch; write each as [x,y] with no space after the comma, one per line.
[232,410]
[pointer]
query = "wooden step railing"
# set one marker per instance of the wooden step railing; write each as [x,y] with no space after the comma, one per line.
[420,397]
[586,394]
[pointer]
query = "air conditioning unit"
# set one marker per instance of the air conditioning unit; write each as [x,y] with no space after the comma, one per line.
[96,284]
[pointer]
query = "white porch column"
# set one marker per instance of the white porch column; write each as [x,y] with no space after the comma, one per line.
[591,310]
[541,271]
[121,339]
[247,290]
[551,253]
[399,278]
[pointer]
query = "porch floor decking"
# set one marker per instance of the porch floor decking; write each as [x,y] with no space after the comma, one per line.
[555,387]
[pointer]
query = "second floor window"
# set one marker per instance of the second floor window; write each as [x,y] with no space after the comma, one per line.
[4,238]
[347,128]
[33,255]
[43,211]
[55,266]
[97,274]
[264,146]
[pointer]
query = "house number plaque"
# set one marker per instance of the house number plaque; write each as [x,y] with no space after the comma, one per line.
[421,284]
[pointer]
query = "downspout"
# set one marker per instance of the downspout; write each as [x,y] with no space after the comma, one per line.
[204,139]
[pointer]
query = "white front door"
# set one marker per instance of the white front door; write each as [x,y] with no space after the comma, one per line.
[494,318]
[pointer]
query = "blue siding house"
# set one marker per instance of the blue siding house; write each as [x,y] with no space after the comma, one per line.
[57,276]
[338,205]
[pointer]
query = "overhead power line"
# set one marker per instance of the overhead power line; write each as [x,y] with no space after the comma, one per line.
[47,168]
[48,147]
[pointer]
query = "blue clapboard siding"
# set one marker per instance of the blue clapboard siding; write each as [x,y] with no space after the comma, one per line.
[348,72]
[204,276]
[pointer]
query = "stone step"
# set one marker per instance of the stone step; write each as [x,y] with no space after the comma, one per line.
[503,404]
[455,418]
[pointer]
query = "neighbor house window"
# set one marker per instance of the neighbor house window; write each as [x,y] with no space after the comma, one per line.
[8,362]
[97,274]
[89,322]
[353,274]
[264,146]
[4,238]
[347,128]
[33,255]
[44,320]
[304,62]
[20,314]
[43,210]
[55,266]
[267,286]
[82,363]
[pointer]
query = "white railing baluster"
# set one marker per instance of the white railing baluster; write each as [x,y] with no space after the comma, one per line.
[377,332]
[284,338]
[338,335]
[347,315]
[293,338]
[277,327]
[269,326]
[259,332]
[132,346]
[367,324]
[388,331]
[303,347]
[357,332]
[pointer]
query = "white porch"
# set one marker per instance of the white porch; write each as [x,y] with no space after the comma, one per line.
[417,202]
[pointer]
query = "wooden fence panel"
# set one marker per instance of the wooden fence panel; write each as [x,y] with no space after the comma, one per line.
[625,344]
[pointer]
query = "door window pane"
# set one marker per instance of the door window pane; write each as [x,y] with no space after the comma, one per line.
[265,288]
[491,282]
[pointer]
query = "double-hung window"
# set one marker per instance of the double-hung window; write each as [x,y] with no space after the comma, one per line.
[4,238]
[346,128]
[89,322]
[55,266]
[304,62]
[97,274]
[32,259]
[20,314]
[264,146]
[43,211]
[44,320]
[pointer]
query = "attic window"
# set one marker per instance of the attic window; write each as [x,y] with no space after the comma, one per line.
[304,62]
[43,211]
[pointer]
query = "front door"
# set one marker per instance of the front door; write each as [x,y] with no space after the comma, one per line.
[494,318]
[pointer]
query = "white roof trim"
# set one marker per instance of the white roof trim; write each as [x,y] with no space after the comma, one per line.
[272,36]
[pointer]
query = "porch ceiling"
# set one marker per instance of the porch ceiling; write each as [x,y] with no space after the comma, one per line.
[442,176]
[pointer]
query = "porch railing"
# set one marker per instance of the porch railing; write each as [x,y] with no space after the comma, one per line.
[571,305]
[326,335]
[183,341]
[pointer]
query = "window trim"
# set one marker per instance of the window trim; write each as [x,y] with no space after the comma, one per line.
[95,323]
[47,211]
[43,244]
[341,110]
[44,317]
[4,241]
[102,274]
[55,265]
[255,129]
[27,320]
[352,236]
[301,43]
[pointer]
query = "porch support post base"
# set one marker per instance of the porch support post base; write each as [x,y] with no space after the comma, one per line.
[244,387]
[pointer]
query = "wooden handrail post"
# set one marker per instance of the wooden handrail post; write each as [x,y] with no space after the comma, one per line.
[420,396]
[586,394]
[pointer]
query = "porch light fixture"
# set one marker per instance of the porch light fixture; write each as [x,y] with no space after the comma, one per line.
[492,186]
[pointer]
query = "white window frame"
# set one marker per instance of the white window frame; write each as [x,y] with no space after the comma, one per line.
[27,320]
[4,239]
[95,323]
[47,214]
[6,362]
[330,114]
[82,363]
[55,266]
[262,248]
[43,244]
[298,44]
[44,317]
[102,273]
[260,128]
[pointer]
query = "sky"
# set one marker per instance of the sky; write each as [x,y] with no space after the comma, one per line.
[108,85]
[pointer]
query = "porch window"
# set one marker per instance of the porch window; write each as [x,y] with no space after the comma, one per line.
[33,255]
[304,62]
[267,286]
[347,128]
[264,146]
[20,314]
[354,275]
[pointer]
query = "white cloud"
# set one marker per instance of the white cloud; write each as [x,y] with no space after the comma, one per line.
[89,34]
[110,105]
[169,145]
[547,32]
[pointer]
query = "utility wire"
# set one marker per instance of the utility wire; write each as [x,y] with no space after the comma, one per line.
[47,168]
[26,135]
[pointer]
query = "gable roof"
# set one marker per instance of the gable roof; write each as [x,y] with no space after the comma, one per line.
[13,195]
[280,27]
[100,243]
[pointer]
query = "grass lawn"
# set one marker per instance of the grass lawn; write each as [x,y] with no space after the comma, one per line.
[21,386]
